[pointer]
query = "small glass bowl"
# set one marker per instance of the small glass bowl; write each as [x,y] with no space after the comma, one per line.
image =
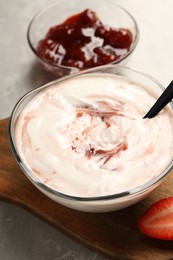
[108,12]
[91,204]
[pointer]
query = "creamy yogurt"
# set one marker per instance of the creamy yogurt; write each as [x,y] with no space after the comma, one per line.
[87,137]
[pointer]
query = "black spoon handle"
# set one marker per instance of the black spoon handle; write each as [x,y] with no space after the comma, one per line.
[163,100]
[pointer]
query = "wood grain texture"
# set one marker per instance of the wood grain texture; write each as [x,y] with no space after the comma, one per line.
[113,234]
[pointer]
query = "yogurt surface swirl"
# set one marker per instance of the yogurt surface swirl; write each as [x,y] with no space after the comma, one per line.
[87,137]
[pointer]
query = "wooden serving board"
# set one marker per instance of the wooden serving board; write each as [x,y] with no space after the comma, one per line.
[113,234]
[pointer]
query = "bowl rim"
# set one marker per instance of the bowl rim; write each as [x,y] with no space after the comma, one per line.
[35,180]
[54,65]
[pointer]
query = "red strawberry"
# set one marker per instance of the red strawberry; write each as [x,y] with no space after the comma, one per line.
[157,220]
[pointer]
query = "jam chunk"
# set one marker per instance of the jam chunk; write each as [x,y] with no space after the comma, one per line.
[82,41]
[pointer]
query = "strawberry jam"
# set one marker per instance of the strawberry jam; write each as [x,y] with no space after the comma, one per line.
[82,41]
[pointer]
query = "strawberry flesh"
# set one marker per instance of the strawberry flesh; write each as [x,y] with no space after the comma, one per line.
[157,220]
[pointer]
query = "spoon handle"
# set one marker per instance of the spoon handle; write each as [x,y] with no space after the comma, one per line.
[163,100]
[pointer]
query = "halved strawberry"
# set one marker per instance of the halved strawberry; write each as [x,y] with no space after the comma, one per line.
[157,220]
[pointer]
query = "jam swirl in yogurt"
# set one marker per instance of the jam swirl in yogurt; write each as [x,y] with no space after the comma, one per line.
[103,116]
[82,41]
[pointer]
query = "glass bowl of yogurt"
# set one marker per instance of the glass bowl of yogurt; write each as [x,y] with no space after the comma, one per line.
[83,142]
[71,36]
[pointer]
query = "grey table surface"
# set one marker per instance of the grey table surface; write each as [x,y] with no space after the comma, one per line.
[22,235]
